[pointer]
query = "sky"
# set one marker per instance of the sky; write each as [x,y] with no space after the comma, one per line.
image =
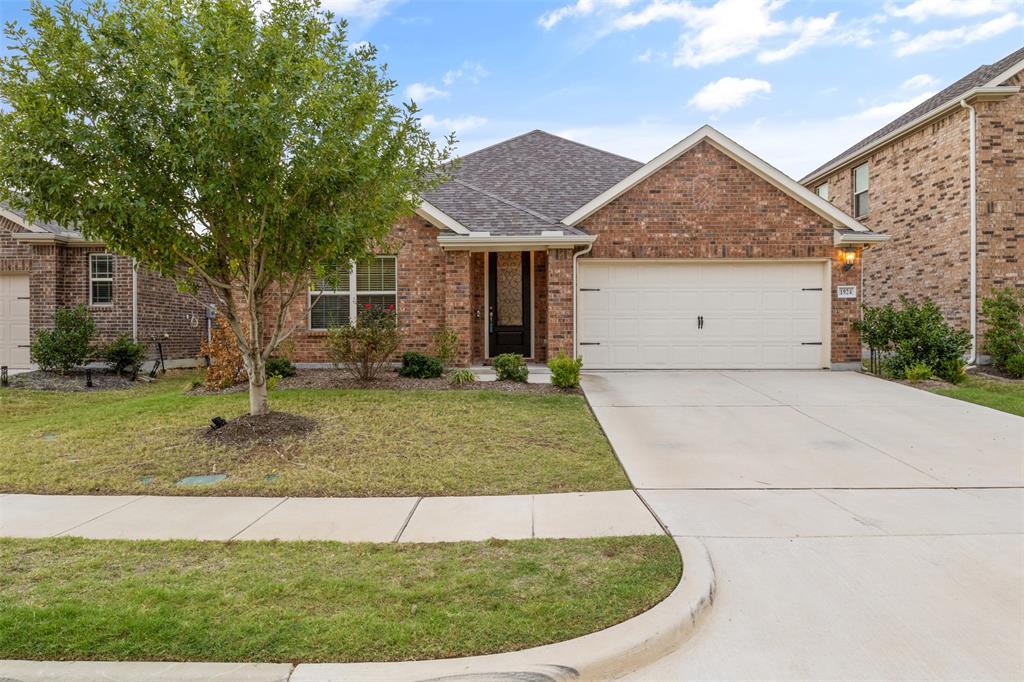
[795,82]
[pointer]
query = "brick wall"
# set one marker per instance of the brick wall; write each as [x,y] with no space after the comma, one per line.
[558,321]
[1000,175]
[706,205]
[14,256]
[459,301]
[540,306]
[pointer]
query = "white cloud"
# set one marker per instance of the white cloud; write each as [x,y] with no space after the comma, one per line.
[369,10]
[421,92]
[645,56]
[458,124]
[580,8]
[919,82]
[883,113]
[728,93]
[472,72]
[940,39]
[812,32]
[921,10]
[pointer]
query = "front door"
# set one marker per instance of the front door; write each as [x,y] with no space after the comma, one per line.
[508,310]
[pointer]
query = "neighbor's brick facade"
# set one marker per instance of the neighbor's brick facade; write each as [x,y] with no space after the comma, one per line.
[920,195]
[706,205]
[59,277]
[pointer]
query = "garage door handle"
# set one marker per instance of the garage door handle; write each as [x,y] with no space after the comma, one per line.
[590,343]
[24,298]
[590,290]
[811,343]
[811,289]
[23,346]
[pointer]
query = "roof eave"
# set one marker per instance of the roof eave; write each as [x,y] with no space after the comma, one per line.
[487,242]
[982,94]
[841,238]
[752,162]
[438,218]
[52,238]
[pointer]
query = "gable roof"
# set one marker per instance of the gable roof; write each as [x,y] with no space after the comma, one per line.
[525,185]
[727,146]
[982,78]
[20,217]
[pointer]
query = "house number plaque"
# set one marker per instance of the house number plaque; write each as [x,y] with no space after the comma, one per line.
[846,292]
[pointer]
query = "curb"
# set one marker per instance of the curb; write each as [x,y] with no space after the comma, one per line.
[601,655]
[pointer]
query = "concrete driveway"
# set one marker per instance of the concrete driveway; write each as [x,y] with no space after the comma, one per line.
[859,528]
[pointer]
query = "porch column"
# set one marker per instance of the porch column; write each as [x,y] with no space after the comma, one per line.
[559,303]
[458,302]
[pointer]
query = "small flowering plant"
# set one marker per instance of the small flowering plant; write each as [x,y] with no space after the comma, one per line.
[363,349]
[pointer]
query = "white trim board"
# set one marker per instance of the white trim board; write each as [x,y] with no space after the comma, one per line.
[733,150]
[435,216]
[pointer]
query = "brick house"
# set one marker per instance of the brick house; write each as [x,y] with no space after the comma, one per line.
[44,267]
[705,257]
[946,182]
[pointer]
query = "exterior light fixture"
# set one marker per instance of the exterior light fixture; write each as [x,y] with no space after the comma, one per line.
[849,256]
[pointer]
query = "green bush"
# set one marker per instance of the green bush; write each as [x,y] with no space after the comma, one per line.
[511,367]
[419,366]
[280,367]
[953,370]
[461,376]
[364,349]
[1015,366]
[1004,316]
[446,345]
[909,335]
[917,372]
[69,343]
[565,371]
[124,354]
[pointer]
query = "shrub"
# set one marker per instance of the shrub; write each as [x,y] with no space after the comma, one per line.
[461,376]
[446,345]
[124,354]
[1003,315]
[565,371]
[511,367]
[917,372]
[363,349]
[953,370]
[272,381]
[69,343]
[419,366]
[280,367]
[912,334]
[226,365]
[1015,366]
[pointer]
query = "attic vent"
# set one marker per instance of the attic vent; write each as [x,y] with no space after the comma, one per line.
[552,233]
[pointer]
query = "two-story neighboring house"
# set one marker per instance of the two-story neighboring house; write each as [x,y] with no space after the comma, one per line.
[946,182]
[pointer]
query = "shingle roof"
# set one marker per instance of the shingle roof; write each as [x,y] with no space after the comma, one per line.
[527,184]
[977,78]
[53,228]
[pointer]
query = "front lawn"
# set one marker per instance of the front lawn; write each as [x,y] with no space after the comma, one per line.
[1004,396]
[74,599]
[366,443]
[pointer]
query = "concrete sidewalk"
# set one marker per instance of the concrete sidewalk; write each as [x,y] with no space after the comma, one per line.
[369,519]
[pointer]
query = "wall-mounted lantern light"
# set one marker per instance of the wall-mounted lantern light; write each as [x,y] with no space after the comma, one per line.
[849,256]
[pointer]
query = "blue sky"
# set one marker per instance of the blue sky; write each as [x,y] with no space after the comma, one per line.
[796,82]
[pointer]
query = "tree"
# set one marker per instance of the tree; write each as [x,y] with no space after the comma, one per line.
[247,151]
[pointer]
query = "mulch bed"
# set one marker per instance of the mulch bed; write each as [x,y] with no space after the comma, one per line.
[991,372]
[335,378]
[264,429]
[74,380]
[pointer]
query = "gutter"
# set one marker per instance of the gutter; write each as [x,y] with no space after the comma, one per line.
[135,300]
[575,292]
[484,242]
[974,229]
[983,93]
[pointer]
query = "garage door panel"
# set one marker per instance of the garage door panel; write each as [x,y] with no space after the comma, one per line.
[14,320]
[755,314]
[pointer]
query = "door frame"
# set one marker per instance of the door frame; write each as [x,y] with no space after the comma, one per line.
[826,312]
[487,302]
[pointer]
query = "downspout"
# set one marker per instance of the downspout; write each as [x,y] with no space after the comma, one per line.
[575,292]
[135,300]
[974,232]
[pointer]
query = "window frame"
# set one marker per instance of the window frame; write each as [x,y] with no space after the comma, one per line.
[93,278]
[819,188]
[864,192]
[352,292]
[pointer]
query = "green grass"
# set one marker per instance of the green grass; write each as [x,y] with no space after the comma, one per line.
[368,442]
[999,395]
[68,598]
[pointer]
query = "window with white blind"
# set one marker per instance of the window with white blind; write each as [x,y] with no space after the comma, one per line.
[336,299]
[101,279]
[860,191]
[822,191]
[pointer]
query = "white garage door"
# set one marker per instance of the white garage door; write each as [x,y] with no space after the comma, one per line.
[636,314]
[14,320]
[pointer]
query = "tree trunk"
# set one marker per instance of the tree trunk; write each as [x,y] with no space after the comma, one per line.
[257,371]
